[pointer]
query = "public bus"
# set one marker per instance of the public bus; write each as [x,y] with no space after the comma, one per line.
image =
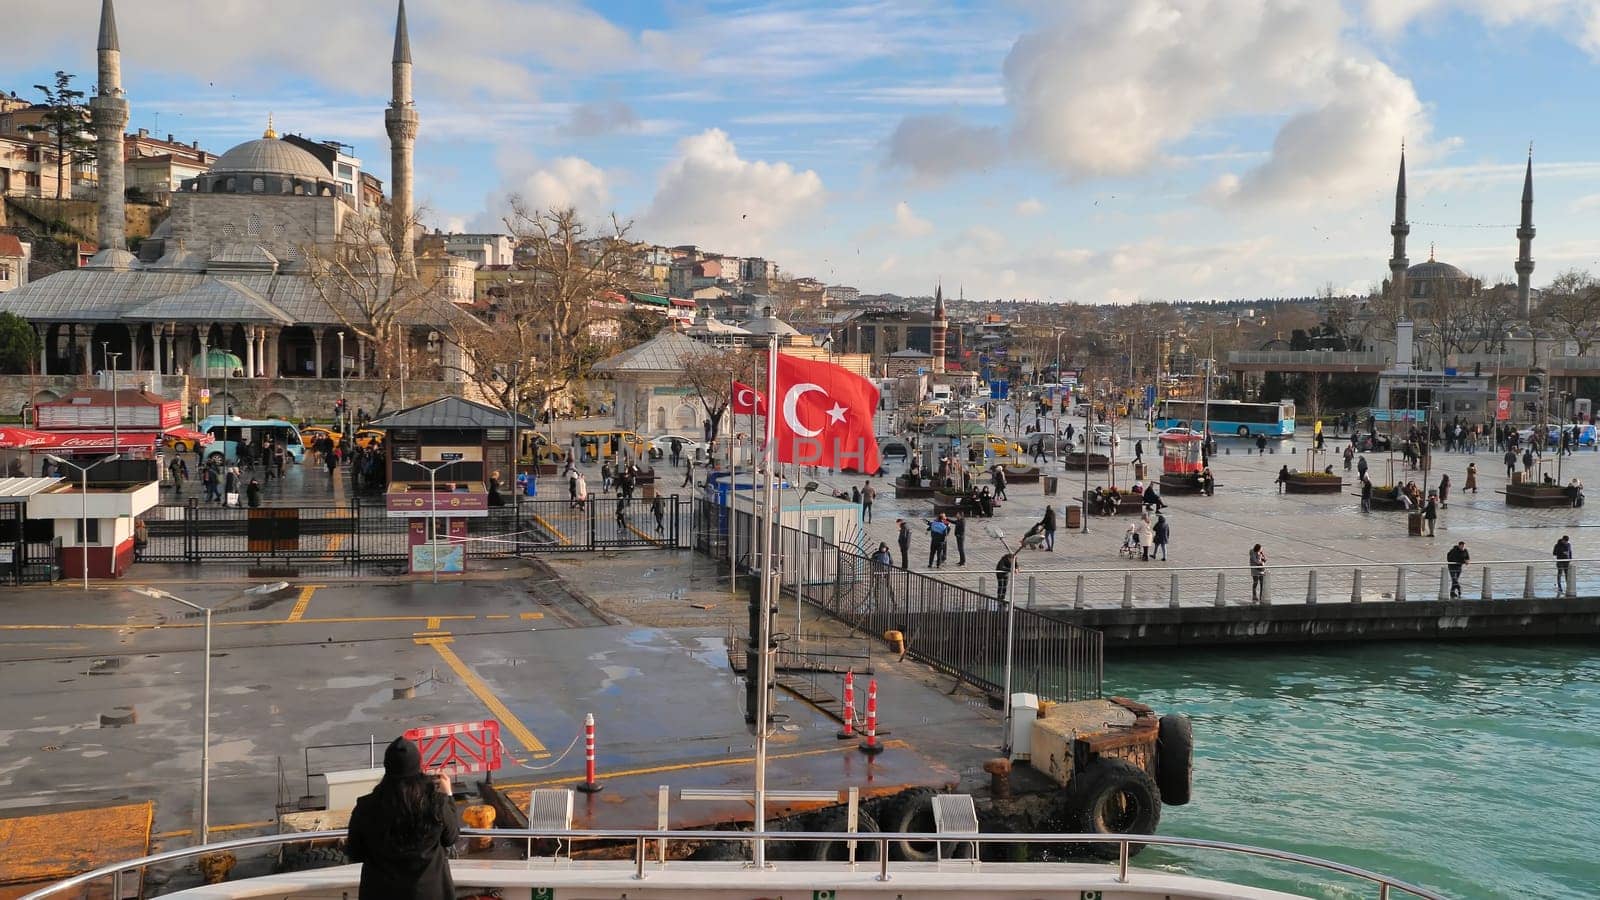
[1229,417]
[229,432]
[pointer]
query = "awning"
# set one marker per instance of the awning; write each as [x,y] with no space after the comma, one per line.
[25,439]
[16,490]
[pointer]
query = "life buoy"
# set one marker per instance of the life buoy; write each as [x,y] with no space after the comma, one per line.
[912,813]
[1113,796]
[1175,759]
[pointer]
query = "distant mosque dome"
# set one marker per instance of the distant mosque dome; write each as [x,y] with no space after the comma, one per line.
[270,156]
[1436,271]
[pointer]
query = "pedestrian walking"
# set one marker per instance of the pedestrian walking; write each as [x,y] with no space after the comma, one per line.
[1349,456]
[1455,560]
[1283,477]
[252,493]
[1361,467]
[606,474]
[882,564]
[1138,451]
[659,510]
[1511,463]
[1444,491]
[959,529]
[622,515]
[1471,484]
[1163,532]
[1366,493]
[1049,523]
[688,473]
[1261,445]
[580,493]
[1527,460]
[999,480]
[402,832]
[1563,555]
[1002,575]
[904,539]
[1430,513]
[1258,574]
[868,494]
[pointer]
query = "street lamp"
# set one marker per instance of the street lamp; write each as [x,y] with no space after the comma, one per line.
[342,404]
[799,558]
[83,498]
[433,508]
[205,722]
[111,363]
[1011,617]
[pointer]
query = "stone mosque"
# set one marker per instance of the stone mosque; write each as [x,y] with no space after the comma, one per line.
[223,286]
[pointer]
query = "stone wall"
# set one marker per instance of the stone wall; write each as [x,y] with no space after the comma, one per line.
[290,398]
[282,224]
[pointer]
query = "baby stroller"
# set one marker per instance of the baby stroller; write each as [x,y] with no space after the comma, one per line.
[1130,545]
[1034,538]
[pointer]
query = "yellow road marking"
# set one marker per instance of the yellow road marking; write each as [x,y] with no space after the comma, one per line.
[498,616]
[545,523]
[429,634]
[654,539]
[433,623]
[895,744]
[326,620]
[237,826]
[303,602]
[487,696]
[334,543]
[528,616]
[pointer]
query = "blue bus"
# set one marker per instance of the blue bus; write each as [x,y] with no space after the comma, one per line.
[1229,417]
[229,432]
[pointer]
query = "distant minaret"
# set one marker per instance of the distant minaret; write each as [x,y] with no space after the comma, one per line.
[941,323]
[401,121]
[108,112]
[1398,263]
[1525,244]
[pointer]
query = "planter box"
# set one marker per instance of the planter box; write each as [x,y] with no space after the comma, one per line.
[1302,484]
[1537,496]
[1080,461]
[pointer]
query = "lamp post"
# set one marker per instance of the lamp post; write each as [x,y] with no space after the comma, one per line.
[342,403]
[205,721]
[799,558]
[111,363]
[433,509]
[83,498]
[1011,618]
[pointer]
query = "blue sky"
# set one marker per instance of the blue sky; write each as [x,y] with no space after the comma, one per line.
[1094,150]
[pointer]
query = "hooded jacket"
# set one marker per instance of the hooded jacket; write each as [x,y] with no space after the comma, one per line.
[403,857]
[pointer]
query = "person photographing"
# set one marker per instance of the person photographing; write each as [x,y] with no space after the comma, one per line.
[402,831]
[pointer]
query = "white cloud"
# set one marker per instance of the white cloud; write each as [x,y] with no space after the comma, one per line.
[560,183]
[711,196]
[908,224]
[601,118]
[938,146]
[1029,207]
[1577,20]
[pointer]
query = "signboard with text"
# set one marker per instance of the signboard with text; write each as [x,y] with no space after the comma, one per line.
[404,504]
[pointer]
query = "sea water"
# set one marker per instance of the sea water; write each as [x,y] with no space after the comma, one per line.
[1472,769]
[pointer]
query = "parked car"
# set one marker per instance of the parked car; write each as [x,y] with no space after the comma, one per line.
[889,445]
[1105,435]
[1048,442]
[660,446]
[1586,434]
[313,433]
[1371,440]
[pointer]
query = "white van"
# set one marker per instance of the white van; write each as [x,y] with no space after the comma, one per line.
[941,393]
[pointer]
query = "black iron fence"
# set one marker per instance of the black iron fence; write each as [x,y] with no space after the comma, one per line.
[953,628]
[360,534]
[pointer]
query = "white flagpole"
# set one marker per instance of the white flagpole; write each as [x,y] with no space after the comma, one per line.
[733,493]
[768,596]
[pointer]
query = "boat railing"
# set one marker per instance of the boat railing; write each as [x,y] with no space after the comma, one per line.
[645,862]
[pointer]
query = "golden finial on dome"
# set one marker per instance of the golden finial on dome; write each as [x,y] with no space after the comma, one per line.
[269,134]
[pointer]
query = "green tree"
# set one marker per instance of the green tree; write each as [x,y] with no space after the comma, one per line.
[64,122]
[19,345]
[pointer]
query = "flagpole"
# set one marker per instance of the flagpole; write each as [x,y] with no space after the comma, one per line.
[733,494]
[767,599]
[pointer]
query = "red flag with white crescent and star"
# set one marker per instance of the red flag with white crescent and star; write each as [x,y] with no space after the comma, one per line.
[747,401]
[825,416]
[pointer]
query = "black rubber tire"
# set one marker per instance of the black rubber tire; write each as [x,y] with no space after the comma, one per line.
[1113,796]
[1175,759]
[721,851]
[912,813]
[839,851]
[1244,432]
[320,857]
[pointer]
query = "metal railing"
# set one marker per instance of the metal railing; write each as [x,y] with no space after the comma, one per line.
[644,865]
[1143,586]
[1348,358]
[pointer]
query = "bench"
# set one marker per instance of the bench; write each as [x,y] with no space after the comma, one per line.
[1130,505]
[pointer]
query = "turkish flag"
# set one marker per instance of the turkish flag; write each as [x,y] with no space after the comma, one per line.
[747,401]
[825,416]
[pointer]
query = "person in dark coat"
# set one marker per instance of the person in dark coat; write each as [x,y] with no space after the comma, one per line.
[903,537]
[1163,533]
[959,529]
[401,831]
[252,493]
[1049,523]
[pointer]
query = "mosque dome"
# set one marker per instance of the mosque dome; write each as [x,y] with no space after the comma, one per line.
[270,156]
[1435,270]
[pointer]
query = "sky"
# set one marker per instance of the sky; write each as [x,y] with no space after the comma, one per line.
[1085,150]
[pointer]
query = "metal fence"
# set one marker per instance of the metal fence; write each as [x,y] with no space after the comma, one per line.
[953,628]
[360,534]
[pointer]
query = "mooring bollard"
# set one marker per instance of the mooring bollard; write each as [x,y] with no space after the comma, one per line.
[871,747]
[1355,586]
[1222,589]
[1572,580]
[1077,597]
[1127,590]
[1488,584]
[1400,584]
[1444,582]
[1172,594]
[589,785]
[1311,588]
[849,711]
[1266,588]
[1527,584]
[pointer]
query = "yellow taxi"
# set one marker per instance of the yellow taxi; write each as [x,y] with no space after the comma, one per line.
[368,437]
[595,445]
[311,434]
[1002,448]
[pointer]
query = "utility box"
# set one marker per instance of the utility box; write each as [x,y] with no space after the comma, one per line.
[1024,710]
[340,790]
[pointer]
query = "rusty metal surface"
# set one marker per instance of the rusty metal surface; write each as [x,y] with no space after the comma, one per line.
[47,844]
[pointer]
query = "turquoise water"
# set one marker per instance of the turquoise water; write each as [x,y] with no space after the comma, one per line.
[1470,769]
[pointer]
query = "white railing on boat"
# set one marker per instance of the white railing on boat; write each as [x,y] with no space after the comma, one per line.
[646,863]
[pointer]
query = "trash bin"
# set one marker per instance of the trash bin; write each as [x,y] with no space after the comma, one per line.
[1050,482]
[1074,518]
[1414,523]
[1138,471]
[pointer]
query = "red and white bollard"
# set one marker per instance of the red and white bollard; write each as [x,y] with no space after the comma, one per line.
[849,712]
[589,785]
[872,747]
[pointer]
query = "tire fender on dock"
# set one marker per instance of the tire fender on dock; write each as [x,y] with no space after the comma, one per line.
[840,850]
[912,813]
[1113,796]
[1175,759]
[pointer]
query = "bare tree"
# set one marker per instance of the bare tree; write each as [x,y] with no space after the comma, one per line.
[568,311]
[709,374]
[358,279]
[1570,307]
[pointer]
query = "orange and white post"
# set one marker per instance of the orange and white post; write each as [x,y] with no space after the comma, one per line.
[589,785]
[871,747]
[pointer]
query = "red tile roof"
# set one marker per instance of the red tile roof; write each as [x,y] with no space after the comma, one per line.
[10,245]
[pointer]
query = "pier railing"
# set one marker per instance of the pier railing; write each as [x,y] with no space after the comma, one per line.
[875,874]
[1141,585]
[953,627]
